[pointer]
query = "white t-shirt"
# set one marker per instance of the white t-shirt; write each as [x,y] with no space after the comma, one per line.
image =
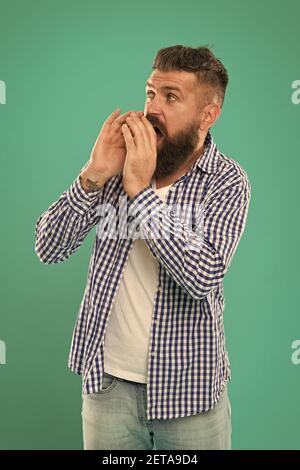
[127,336]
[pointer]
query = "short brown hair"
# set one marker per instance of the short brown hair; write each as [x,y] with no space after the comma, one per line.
[208,69]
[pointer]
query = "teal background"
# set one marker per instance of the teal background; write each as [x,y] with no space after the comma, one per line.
[67,65]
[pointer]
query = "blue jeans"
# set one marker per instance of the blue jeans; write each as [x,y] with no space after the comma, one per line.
[115,418]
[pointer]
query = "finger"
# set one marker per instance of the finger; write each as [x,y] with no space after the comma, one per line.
[128,137]
[148,131]
[122,119]
[112,116]
[138,130]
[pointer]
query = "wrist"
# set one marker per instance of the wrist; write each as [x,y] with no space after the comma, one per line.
[92,180]
[132,192]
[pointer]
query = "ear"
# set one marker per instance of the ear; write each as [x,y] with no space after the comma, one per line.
[209,115]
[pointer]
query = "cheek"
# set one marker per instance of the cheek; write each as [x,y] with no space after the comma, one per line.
[176,123]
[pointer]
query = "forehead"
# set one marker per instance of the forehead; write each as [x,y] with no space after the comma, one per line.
[181,79]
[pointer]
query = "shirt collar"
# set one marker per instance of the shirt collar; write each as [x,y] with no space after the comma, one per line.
[209,160]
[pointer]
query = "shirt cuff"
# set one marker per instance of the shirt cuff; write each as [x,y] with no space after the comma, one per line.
[144,205]
[79,200]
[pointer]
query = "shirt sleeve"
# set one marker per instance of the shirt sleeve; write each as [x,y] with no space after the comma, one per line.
[196,258]
[61,229]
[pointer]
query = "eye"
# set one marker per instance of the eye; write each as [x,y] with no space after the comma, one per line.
[173,96]
[169,95]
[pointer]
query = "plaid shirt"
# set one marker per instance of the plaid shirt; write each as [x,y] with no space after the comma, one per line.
[188,364]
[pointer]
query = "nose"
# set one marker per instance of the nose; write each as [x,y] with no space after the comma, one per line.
[153,107]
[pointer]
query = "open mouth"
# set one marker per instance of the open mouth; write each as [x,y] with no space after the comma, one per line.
[159,134]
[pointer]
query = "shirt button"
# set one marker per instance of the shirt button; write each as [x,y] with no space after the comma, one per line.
[153,354]
[172,189]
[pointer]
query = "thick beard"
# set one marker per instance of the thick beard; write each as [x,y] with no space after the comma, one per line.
[175,151]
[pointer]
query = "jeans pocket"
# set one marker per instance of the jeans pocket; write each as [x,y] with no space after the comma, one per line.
[108,383]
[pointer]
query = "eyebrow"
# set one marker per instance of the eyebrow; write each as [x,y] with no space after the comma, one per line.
[166,87]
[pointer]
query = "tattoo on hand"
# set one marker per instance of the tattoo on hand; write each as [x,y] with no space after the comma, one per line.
[89,185]
[92,184]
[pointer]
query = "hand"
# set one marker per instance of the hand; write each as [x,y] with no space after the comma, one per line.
[141,156]
[109,151]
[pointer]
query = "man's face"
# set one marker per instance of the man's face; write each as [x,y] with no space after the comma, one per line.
[171,104]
